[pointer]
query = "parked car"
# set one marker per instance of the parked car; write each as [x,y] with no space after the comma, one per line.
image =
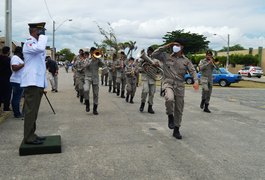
[251,71]
[222,77]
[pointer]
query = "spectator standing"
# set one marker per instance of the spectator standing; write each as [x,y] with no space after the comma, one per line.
[52,68]
[5,73]
[17,65]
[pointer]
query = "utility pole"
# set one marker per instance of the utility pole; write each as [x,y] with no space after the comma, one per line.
[8,22]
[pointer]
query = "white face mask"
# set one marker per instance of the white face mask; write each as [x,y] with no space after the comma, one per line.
[176,49]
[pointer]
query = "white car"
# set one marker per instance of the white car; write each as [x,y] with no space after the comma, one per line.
[251,71]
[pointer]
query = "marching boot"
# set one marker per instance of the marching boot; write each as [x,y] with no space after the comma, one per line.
[81,99]
[176,133]
[95,112]
[142,107]
[150,109]
[171,124]
[109,88]
[131,100]
[87,105]
[118,92]
[202,103]
[122,94]
[206,108]
[127,98]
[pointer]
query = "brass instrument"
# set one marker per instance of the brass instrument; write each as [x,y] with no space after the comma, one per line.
[153,71]
[98,53]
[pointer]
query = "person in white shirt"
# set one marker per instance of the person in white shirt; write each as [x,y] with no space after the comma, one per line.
[17,65]
[34,79]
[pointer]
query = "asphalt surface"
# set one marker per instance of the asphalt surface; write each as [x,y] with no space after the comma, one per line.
[122,143]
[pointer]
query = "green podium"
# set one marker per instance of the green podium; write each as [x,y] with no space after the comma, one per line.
[51,145]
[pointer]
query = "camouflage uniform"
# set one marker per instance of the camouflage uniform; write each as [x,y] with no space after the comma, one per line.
[112,76]
[92,79]
[173,84]
[121,78]
[131,79]
[80,76]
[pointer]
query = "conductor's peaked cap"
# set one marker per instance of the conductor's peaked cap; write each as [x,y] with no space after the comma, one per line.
[40,25]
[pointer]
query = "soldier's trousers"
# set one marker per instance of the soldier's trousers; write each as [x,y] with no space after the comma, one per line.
[95,89]
[207,87]
[148,89]
[121,82]
[174,105]
[33,95]
[104,79]
[112,81]
[80,84]
[131,89]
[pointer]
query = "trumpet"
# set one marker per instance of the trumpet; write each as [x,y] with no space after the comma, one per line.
[98,53]
[153,71]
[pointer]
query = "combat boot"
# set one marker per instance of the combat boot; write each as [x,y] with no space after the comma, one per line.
[87,105]
[95,112]
[176,133]
[150,109]
[171,124]
[109,88]
[131,100]
[202,103]
[122,94]
[206,109]
[142,107]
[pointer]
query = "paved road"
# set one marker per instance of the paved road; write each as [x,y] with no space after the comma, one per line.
[122,143]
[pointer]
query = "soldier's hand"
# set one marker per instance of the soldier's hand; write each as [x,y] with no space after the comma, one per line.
[44,92]
[196,86]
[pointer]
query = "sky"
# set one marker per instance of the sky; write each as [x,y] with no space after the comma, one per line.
[143,21]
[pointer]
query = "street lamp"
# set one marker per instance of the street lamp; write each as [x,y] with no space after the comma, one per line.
[53,35]
[227,41]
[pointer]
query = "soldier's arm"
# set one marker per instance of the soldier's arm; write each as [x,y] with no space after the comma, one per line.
[36,48]
[192,71]
[203,64]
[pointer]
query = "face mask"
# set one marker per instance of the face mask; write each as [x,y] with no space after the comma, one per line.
[176,49]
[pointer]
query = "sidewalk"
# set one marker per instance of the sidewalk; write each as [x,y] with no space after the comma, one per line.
[122,143]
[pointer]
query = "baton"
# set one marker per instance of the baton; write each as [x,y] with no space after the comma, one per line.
[48,101]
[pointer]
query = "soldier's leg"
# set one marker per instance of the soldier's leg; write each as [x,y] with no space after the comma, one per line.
[207,97]
[169,103]
[95,98]
[32,101]
[123,83]
[205,90]
[128,91]
[114,84]
[152,88]
[118,85]
[106,79]
[110,82]
[81,88]
[178,111]
[87,86]
[133,90]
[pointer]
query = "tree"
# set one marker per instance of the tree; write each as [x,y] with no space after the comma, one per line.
[236,47]
[193,43]
[111,41]
[65,54]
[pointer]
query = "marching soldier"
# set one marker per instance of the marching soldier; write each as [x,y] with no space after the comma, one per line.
[206,67]
[175,66]
[130,72]
[121,79]
[80,74]
[149,87]
[92,79]
[77,66]
[112,73]
[105,73]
